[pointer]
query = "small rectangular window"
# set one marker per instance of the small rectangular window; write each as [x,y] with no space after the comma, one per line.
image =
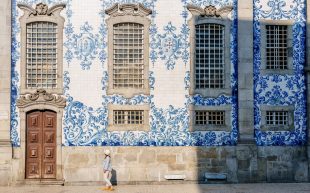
[210,117]
[210,56]
[41,55]
[128,57]
[128,117]
[276,46]
[275,118]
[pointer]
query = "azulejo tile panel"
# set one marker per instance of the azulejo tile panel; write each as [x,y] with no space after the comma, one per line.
[15,55]
[87,126]
[170,47]
[281,90]
[84,45]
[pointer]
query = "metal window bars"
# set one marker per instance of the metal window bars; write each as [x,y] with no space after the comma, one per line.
[41,55]
[128,56]
[209,56]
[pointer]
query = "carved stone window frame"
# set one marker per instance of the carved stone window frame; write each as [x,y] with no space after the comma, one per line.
[226,127]
[39,100]
[41,14]
[129,127]
[128,13]
[210,15]
[265,127]
[289,24]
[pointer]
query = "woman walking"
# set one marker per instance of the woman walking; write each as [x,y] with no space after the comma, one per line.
[107,170]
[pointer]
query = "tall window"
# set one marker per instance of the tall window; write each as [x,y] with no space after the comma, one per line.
[128,49]
[210,65]
[276,46]
[210,56]
[41,55]
[128,56]
[41,50]
[128,64]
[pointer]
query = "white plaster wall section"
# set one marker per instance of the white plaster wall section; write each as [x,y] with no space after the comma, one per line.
[169,84]
[169,87]
[85,83]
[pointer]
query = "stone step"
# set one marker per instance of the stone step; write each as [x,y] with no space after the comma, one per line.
[47,182]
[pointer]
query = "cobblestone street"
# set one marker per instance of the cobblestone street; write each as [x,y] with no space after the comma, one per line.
[176,188]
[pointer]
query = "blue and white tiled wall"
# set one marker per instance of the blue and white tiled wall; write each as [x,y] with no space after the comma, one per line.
[281,90]
[85,69]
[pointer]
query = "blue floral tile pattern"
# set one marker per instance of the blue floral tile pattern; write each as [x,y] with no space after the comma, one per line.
[170,47]
[281,90]
[85,45]
[15,139]
[217,137]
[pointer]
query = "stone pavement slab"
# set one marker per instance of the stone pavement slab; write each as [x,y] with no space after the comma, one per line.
[175,188]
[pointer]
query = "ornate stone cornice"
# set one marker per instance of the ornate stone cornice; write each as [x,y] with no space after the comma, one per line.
[41,9]
[210,11]
[41,97]
[128,9]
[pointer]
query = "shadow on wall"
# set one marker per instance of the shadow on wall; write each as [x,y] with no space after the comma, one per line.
[114,178]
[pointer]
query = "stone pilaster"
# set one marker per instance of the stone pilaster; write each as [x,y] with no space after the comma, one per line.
[307,70]
[5,84]
[245,71]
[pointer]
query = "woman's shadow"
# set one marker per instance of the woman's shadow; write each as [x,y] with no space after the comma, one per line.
[114,177]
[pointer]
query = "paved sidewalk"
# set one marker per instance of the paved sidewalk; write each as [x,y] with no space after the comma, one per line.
[176,188]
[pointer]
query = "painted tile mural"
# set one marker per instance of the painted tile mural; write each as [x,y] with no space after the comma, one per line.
[85,54]
[86,49]
[276,89]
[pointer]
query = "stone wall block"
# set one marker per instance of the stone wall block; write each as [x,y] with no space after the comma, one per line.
[244,152]
[5,174]
[176,167]
[138,174]
[244,164]
[166,158]
[77,160]
[261,169]
[301,174]
[279,172]
[147,157]
[130,157]
[82,174]
[232,167]
[121,174]
[118,159]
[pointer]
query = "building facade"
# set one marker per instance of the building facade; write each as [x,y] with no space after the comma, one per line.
[175,89]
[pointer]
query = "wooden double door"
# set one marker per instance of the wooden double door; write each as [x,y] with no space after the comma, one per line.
[41,145]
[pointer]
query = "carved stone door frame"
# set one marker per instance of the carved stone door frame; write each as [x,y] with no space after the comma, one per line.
[40,100]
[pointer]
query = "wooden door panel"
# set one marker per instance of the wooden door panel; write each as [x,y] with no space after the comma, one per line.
[49,145]
[49,137]
[34,141]
[49,170]
[49,153]
[34,170]
[41,145]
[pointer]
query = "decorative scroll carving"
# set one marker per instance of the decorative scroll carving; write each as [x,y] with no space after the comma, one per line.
[128,9]
[41,9]
[210,11]
[41,97]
